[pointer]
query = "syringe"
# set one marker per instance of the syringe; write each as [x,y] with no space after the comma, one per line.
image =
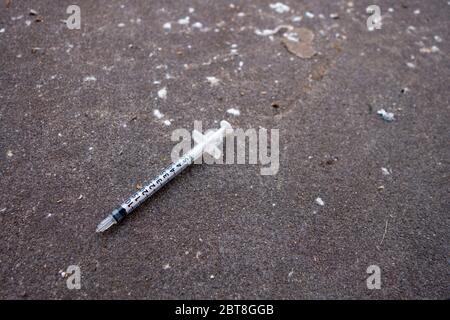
[205,143]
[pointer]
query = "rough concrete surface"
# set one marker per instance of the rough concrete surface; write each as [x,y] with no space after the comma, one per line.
[78,133]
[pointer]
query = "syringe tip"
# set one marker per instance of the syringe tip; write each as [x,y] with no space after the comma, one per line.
[106,224]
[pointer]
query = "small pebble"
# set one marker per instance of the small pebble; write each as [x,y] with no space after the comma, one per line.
[184,21]
[233,111]
[213,81]
[157,114]
[162,93]
[89,78]
[387,116]
[319,201]
[279,7]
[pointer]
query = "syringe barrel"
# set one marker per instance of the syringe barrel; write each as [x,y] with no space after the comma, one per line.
[153,186]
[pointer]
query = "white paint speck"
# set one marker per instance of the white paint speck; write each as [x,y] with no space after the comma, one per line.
[290,273]
[69,47]
[411,65]
[157,114]
[391,10]
[296,19]
[266,32]
[167,122]
[121,25]
[279,7]
[309,14]
[433,49]
[387,116]
[191,10]
[334,15]
[162,93]
[197,25]
[438,39]
[166,266]
[319,201]
[212,276]
[417,11]
[184,21]
[213,81]
[28,23]
[2,30]
[385,171]
[89,78]
[167,26]
[9,153]
[292,36]
[234,112]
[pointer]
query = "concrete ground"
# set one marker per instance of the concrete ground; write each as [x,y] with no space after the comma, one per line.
[78,134]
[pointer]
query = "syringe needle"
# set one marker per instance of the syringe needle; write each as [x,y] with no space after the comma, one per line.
[205,143]
[106,223]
